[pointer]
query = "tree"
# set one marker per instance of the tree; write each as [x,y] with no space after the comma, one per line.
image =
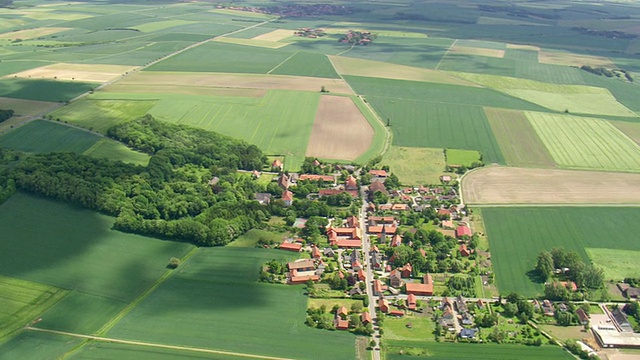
[173,263]
[544,265]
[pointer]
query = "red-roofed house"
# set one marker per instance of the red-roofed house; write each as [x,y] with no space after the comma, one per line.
[388,230]
[365,318]
[356,265]
[342,312]
[463,230]
[399,207]
[303,279]
[397,313]
[353,222]
[351,183]
[277,164]
[383,304]
[297,247]
[348,243]
[287,197]
[302,265]
[361,275]
[411,302]
[378,173]
[444,212]
[341,324]
[312,177]
[377,287]
[378,186]
[315,252]
[424,289]
[569,285]
[406,270]
[464,251]
[396,240]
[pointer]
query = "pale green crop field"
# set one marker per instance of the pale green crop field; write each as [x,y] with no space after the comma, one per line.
[585,143]
[616,264]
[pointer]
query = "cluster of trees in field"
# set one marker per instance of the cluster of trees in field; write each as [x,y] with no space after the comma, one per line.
[602,71]
[5,114]
[570,265]
[172,196]
[7,184]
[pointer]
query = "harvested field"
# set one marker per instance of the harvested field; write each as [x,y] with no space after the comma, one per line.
[31,33]
[340,131]
[79,72]
[275,35]
[585,143]
[508,185]
[379,69]
[242,81]
[252,42]
[569,59]
[415,165]
[518,141]
[631,129]
[523,47]
[476,51]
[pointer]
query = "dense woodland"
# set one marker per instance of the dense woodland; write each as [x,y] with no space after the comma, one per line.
[171,197]
[5,114]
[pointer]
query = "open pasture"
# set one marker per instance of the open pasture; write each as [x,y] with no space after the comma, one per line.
[451,351]
[415,165]
[518,234]
[99,115]
[462,157]
[251,237]
[377,69]
[31,33]
[114,150]
[252,42]
[586,143]
[307,64]
[78,250]
[267,122]
[574,98]
[465,50]
[340,131]
[510,185]
[275,35]
[222,57]
[226,306]
[79,72]
[240,81]
[570,59]
[43,90]
[616,264]
[518,141]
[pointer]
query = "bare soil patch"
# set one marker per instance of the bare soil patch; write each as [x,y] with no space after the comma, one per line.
[32,33]
[275,35]
[509,185]
[569,59]
[455,49]
[241,81]
[340,131]
[78,72]
[378,69]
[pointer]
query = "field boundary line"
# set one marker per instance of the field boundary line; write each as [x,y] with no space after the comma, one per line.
[283,61]
[445,54]
[111,323]
[156,345]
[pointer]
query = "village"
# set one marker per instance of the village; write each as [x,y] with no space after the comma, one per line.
[412,253]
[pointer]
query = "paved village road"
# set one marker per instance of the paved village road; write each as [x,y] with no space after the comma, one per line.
[366,247]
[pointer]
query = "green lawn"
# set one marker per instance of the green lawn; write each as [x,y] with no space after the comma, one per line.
[450,351]
[307,64]
[251,238]
[616,264]
[518,234]
[415,166]
[214,301]
[60,245]
[422,328]
[586,143]
[462,157]
[222,57]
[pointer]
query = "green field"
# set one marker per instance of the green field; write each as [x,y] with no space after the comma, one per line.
[518,141]
[616,264]
[78,250]
[586,143]
[37,345]
[251,238]
[99,115]
[415,166]
[421,328]
[43,90]
[110,351]
[307,64]
[518,234]
[214,301]
[44,136]
[221,57]
[449,351]
[462,157]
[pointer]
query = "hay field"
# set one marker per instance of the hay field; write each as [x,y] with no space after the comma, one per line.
[252,42]
[523,47]
[340,131]
[378,69]
[275,35]
[510,185]
[585,143]
[161,25]
[242,81]
[79,72]
[517,139]
[32,33]
[465,50]
[574,98]
[415,165]
[570,59]
[616,264]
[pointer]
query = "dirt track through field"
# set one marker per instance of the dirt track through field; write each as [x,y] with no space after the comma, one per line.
[155,345]
[509,185]
[340,131]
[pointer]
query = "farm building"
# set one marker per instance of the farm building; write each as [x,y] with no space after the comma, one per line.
[378,186]
[463,230]
[287,197]
[383,304]
[291,246]
[411,302]
[464,252]
[378,173]
[424,289]
[302,265]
